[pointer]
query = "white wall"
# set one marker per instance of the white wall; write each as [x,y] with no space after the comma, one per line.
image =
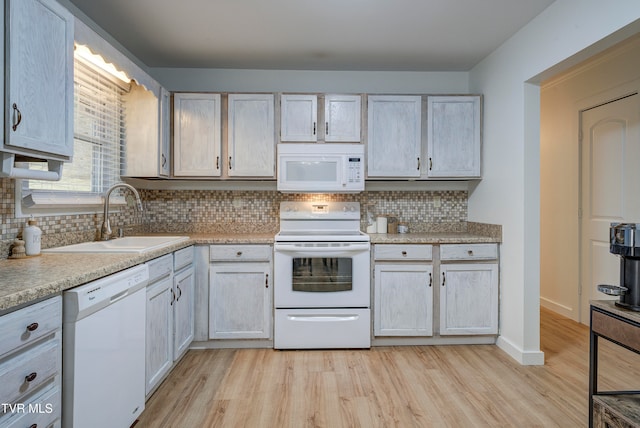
[566,33]
[601,79]
[229,80]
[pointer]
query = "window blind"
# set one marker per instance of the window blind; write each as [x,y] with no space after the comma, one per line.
[99,135]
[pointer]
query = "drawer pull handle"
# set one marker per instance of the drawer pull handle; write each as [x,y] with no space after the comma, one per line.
[404,254]
[31,377]
[470,252]
[33,426]
[239,253]
[17,115]
[33,326]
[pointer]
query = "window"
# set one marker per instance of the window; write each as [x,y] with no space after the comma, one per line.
[99,135]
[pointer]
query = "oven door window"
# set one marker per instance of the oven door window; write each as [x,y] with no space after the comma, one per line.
[322,274]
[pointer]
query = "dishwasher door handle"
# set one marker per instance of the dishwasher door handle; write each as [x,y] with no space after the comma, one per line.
[118,296]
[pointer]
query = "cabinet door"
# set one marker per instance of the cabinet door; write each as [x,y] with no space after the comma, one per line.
[159,332]
[143,133]
[165,132]
[403,302]
[469,299]
[453,126]
[251,136]
[240,301]
[298,118]
[183,312]
[394,136]
[39,59]
[196,127]
[342,118]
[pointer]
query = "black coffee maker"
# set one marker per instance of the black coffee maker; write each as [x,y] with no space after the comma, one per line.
[624,240]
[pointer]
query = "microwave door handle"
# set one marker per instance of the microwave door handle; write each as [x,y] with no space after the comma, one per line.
[345,163]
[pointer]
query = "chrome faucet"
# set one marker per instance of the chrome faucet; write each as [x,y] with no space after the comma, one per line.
[105,232]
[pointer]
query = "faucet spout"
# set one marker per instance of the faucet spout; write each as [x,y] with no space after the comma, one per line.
[105,231]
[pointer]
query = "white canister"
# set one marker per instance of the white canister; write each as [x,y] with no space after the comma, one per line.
[32,236]
[381,223]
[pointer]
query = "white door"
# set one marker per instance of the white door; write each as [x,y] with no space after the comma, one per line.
[609,182]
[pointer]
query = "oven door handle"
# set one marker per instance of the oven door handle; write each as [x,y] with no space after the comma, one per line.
[300,250]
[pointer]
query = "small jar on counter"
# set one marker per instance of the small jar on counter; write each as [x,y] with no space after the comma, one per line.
[403,228]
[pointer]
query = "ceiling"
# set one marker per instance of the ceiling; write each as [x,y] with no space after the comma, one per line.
[377,35]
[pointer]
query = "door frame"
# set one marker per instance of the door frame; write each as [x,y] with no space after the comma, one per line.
[611,95]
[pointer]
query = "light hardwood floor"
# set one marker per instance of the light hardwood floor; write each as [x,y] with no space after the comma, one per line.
[414,386]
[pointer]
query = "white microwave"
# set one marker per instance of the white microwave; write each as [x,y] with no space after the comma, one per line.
[320,167]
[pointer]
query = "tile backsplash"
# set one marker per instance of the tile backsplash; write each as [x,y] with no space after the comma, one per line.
[217,211]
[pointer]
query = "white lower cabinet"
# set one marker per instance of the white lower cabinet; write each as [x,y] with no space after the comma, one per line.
[468,289]
[169,314]
[441,296]
[240,292]
[468,299]
[403,290]
[403,300]
[183,313]
[31,364]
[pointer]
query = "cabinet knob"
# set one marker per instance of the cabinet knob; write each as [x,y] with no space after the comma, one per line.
[430,279]
[33,426]
[217,162]
[470,252]
[326,128]
[230,163]
[430,164]
[31,377]
[418,164]
[266,281]
[33,326]
[444,279]
[314,128]
[239,253]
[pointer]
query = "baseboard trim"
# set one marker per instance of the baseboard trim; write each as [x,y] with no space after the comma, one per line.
[526,358]
[558,308]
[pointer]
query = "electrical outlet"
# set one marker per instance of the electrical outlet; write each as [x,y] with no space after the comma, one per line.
[436,201]
[238,203]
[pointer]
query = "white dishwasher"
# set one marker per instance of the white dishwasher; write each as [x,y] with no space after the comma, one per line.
[103,357]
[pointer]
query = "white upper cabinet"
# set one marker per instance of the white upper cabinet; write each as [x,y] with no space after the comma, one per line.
[251,135]
[196,132]
[298,117]
[39,79]
[165,133]
[454,136]
[148,140]
[394,136]
[342,118]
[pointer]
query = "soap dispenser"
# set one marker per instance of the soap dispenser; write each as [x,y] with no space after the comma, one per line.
[32,236]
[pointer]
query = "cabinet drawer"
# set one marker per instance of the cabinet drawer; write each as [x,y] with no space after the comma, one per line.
[183,258]
[468,252]
[240,252]
[403,252]
[27,325]
[40,410]
[160,267]
[24,372]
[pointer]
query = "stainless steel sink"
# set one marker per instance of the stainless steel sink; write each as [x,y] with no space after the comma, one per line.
[128,244]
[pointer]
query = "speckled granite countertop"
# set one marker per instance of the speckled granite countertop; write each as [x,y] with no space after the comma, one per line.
[27,280]
[431,238]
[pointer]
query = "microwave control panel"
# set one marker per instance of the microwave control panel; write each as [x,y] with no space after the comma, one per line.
[355,169]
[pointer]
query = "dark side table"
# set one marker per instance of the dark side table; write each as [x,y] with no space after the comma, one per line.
[622,327]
